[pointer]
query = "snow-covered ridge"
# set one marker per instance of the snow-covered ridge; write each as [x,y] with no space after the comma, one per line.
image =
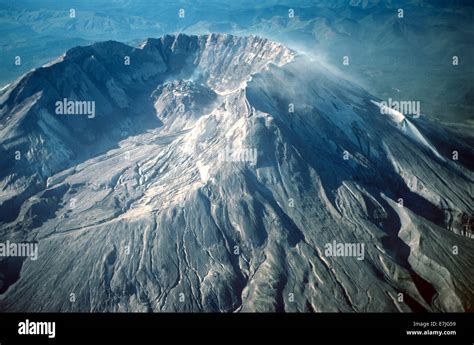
[407,127]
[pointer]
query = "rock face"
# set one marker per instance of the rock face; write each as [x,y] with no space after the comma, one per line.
[225,173]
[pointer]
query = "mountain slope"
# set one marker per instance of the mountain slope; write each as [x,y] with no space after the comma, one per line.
[241,163]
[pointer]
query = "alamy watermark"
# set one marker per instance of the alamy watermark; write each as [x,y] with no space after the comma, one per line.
[240,155]
[68,107]
[345,249]
[28,327]
[23,249]
[404,107]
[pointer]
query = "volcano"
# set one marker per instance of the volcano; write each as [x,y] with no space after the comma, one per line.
[225,174]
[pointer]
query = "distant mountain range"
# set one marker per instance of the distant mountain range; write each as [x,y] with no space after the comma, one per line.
[407,58]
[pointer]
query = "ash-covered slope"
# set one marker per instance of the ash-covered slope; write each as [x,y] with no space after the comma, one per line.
[119,79]
[241,163]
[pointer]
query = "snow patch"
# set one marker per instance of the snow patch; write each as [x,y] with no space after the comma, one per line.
[393,114]
[203,171]
[407,127]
